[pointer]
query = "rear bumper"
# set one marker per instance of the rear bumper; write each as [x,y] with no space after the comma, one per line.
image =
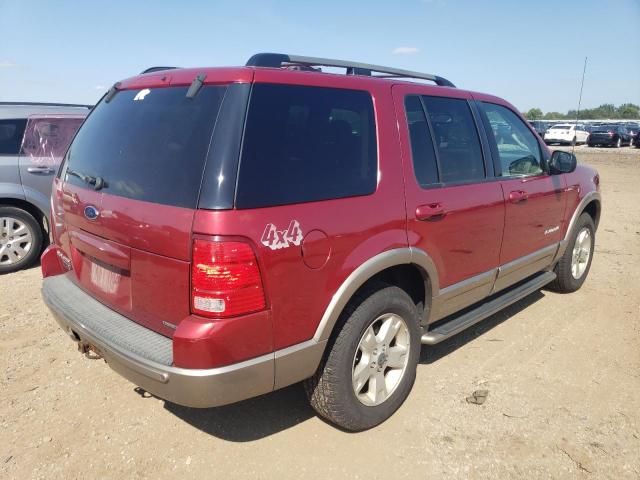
[602,141]
[145,357]
[557,140]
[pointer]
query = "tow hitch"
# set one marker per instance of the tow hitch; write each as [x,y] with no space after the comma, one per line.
[89,350]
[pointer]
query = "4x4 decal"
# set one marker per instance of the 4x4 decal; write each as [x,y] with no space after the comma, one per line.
[276,239]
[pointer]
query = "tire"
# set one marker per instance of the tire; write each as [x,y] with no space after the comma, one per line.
[618,143]
[18,225]
[570,278]
[331,390]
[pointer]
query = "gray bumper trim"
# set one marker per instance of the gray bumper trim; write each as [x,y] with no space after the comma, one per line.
[72,307]
[62,295]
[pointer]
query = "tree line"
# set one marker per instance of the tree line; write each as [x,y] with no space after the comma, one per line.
[604,111]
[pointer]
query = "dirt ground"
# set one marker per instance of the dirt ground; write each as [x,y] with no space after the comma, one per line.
[563,374]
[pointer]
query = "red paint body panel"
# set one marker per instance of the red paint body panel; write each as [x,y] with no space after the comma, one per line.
[530,224]
[200,343]
[133,257]
[184,76]
[578,184]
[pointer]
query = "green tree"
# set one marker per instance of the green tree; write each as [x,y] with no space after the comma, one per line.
[533,114]
[628,110]
[604,111]
[554,116]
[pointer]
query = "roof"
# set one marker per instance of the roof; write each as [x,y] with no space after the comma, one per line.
[27,109]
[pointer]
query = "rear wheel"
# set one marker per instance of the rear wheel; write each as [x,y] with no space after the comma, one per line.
[370,365]
[573,267]
[20,239]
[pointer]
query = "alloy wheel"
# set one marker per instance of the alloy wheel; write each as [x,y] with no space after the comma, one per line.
[581,253]
[16,240]
[381,359]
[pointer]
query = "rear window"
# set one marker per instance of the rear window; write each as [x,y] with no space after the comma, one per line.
[148,144]
[306,144]
[560,127]
[11,132]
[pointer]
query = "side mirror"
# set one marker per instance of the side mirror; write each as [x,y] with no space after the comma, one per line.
[562,162]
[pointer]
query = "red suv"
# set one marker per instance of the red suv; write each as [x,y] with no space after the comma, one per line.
[219,233]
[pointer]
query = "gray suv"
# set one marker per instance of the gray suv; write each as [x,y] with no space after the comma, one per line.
[33,140]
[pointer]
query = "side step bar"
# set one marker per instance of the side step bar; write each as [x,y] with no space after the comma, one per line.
[458,324]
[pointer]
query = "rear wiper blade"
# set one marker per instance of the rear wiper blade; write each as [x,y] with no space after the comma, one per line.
[97,183]
[195,86]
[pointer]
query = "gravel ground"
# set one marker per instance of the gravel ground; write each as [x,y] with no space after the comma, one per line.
[562,371]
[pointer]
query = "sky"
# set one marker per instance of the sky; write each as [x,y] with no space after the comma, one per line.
[530,53]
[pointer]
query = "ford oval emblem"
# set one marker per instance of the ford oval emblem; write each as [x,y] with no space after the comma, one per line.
[91,212]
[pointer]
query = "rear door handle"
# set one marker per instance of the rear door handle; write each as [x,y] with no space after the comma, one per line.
[518,196]
[430,212]
[41,169]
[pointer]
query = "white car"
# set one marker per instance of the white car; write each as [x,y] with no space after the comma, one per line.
[568,133]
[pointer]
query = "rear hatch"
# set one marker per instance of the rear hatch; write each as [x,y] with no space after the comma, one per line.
[128,191]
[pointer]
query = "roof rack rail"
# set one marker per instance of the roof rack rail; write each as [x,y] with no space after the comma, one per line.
[46,104]
[157,69]
[277,60]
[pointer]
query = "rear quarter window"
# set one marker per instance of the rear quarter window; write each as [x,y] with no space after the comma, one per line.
[305,144]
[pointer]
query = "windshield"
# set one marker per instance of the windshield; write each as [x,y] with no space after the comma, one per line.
[148,144]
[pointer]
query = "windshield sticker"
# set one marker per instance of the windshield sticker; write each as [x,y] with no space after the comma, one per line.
[276,239]
[141,94]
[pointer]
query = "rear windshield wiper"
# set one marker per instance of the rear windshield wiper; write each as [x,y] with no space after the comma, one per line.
[97,183]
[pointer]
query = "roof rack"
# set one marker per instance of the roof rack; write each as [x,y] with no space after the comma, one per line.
[157,69]
[278,60]
[47,104]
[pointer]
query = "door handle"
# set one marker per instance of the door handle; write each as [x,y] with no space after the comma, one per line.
[430,212]
[518,196]
[40,169]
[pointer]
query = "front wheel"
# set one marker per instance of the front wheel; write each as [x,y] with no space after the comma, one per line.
[370,364]
[573,267]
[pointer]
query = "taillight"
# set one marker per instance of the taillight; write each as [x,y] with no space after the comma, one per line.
[225,280]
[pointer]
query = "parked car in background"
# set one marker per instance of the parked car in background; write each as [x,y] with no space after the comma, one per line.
[633,129]
[540,126]
[33,140]
[566,134]
[609,136]
[223,232]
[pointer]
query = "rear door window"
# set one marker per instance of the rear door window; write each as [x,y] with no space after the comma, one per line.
[456,139]
[148,144]
[305,144]
[46,138]
[11,132]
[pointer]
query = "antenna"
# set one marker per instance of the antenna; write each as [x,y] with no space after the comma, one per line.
[584,70]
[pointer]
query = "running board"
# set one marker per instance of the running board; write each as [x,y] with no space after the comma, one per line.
[458,324]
